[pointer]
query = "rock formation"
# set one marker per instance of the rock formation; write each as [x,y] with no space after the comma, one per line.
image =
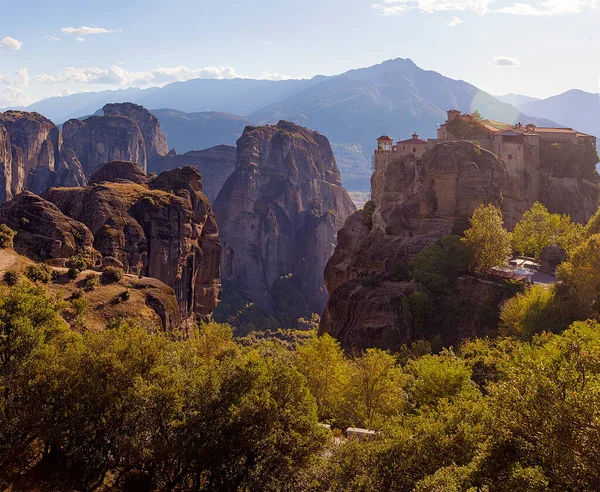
[34,141]
[215,165]
[100,139]
[163,228]
[416,202]
[154,139]
[35,156]
[279,212]
[43,231]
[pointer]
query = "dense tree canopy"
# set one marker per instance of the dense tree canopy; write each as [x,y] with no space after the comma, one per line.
[487,238]
[539,228]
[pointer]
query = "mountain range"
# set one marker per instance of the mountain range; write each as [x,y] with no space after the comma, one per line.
[352,109]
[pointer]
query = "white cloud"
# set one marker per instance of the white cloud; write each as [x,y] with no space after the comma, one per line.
[10,44]
[549,7]
[14,97]
[505,61]
[397,7]
[266,42]
[80,40]
[455,21]
[85,30]
[116,75]
[535,7]
[52,38]
[390,10]
[18,79]
[274,76]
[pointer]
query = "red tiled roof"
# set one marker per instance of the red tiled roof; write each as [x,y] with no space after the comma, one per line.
[384,137]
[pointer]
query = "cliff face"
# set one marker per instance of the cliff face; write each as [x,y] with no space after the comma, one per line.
[279,212]
[100,139]
[35,156]
[43,231]
[154,139]
[34,141]
[215,165]
[416,203]
[163,229]
[5,165]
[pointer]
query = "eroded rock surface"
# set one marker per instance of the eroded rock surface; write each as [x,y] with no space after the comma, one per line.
[43,231]
[166,230]
[100,139]
[279,212]
[215,165]
[154,139]
[416,202]
[34,141]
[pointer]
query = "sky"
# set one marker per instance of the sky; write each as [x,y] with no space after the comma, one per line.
[534,47]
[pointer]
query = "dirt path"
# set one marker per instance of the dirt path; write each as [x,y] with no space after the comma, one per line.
[8,259]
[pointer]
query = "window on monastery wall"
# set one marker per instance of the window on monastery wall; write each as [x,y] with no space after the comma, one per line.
[414,150]
[509,157]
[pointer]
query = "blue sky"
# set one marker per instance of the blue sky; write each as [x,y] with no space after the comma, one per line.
[534,47]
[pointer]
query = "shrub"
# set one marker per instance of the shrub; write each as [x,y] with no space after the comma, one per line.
[39,273]
[369,209]
[73,273]
[6,236]
[112,274]
[78,262]
[55,275]
[80,305]
[78,294]
[147,201]
[125,295]
[11,277]
[401,271]
[23,221]
[91,281]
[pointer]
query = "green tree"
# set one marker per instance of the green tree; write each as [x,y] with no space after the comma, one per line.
[376,392]
[539,228]
[29,322]
[6,236]
[581,277]
[436,377]
[321,360]
[538,309]
[487,238]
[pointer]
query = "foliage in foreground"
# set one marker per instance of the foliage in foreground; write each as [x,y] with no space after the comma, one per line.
[125,409]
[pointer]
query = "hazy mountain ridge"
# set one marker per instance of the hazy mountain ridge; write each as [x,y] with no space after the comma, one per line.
[575,108]
[352,109]
[516,100]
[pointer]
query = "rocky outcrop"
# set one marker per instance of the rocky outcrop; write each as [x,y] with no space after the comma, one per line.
[165,230]
[68,173]
[34,141]
[215,165]
[362,316]
[5,165]
[100,139]
[154,139]
[43,231]
[551,257]
[279,212]
[119,171]
[415,203]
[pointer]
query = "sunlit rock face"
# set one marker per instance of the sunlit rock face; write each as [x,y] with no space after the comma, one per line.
[162,228]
